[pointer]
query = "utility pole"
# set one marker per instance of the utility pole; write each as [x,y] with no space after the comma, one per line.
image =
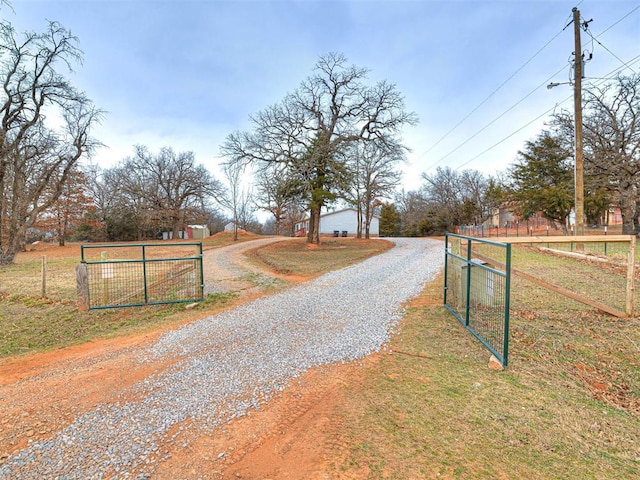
[577,101]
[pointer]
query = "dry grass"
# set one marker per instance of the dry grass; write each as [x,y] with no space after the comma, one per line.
[30,323]
[568,406]
[299,258]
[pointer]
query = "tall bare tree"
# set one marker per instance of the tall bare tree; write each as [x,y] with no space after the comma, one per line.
[279,194]
[35,156]
[309,128]
[612,136]
[238,198]
[171,185]
[611,126]
[375,176]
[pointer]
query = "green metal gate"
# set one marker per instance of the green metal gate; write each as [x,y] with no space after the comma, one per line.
[129,275]
[476,291]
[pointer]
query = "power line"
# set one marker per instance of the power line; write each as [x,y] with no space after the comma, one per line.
[609,76]
[490,95]
[626,65]
[613,54]
[496,119]
[617,22]
[512,134]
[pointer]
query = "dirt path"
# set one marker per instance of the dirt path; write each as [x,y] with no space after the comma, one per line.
[294,436]
[227,269]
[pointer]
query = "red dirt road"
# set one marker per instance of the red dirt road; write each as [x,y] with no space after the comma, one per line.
[295,436]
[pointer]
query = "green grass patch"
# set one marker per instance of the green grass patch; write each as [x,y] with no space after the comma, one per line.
[296,257]
[568,406]
[32,323]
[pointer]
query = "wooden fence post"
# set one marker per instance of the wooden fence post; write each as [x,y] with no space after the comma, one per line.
[631,268]
[44,276]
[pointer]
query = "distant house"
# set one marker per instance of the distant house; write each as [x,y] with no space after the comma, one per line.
[345,222]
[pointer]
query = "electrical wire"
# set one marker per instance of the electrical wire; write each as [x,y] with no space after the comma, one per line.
[609,76]
[617,22]
[512,134]
[626,65]
[546,82]
[613,54]
[489,96]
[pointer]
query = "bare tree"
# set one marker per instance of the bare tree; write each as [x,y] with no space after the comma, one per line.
[68,210]
[375,176]
[35,156]
[156,191]
[612,136]
[456,198]
[611,127]
[309,128]
[238,198]
[279,194]
[416,217]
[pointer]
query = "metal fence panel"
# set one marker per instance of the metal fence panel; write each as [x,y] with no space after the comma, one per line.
[146,280]
[477,292]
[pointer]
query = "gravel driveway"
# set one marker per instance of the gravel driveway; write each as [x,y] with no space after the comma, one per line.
[227,269]
[226,364]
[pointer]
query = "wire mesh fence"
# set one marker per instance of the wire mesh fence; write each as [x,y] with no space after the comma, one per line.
[477,292]
[141,274]
[594,270]
[533,229]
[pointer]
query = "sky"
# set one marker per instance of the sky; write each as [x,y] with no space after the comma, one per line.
[187,73]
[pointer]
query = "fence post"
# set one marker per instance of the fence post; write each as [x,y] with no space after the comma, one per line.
[44,276]
[201,256]
[144,274]
[468,280]
[631,268]
[82,286]
[507,305]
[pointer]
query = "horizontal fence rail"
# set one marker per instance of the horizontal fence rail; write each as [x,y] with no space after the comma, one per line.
[611,258]
[130,275]
[477,292]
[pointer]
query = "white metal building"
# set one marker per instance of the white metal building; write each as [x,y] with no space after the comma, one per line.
[340,221]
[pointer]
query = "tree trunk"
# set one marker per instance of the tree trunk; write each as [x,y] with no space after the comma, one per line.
[359,215]
[6,258]
[313,236]
[367,221]
[10,246]
[628,210]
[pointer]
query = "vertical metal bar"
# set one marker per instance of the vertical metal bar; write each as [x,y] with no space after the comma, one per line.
[44,276]
[446,266]
[144,274]
[507,306]
[201,270]
[468,292]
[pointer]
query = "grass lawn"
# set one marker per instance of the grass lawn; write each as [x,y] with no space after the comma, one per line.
[568,406]
[31,323]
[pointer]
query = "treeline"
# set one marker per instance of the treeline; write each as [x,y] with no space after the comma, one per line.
[335,140]
[541,179]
